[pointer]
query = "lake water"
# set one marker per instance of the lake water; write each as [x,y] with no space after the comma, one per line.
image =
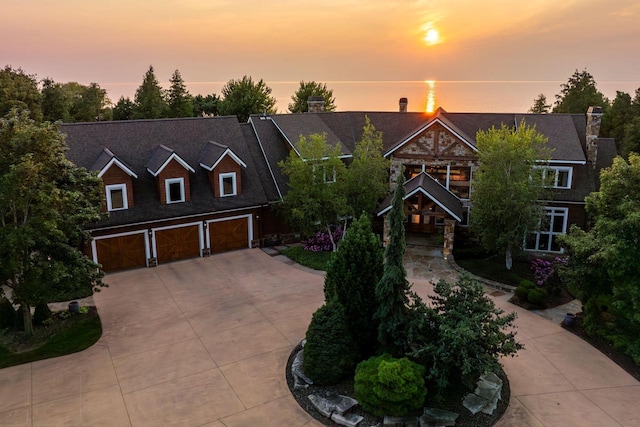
[453,96]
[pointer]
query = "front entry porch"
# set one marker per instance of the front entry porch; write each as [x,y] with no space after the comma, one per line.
[432,212]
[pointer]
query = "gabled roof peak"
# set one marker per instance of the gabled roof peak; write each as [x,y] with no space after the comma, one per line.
[161,157]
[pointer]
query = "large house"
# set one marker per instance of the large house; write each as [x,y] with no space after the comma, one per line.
[180,188]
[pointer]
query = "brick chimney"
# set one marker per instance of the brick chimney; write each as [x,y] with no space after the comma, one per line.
[315,104]
[403,105]
[594,118]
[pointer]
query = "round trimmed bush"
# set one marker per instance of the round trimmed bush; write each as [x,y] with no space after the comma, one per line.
[330,354]
[538,296]
[522,291]
[388,386]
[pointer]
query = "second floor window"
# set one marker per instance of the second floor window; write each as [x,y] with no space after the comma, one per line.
[228,184]
[116,197]
[558,176]
[174,189]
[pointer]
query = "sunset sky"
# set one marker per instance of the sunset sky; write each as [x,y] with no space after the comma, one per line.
[114,42]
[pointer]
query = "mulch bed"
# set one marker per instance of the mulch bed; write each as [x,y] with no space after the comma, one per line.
[605,347]
[452,402]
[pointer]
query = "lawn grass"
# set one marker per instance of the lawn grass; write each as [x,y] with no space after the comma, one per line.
[79,336]
[492,267]
[315,260]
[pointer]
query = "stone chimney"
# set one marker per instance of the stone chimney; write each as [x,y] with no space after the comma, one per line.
[594,118]
[315,104]
[403,105]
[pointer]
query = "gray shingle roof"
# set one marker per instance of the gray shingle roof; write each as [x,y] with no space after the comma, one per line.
[428,186]
[136,140]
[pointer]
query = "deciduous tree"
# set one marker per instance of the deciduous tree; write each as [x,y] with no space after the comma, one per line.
[55,105]
[307,89]
[208,105]
[45,201]
[244,97]
[123,110]
[367,177]
[19,90]
[508,187]
[315,199]
[603,262]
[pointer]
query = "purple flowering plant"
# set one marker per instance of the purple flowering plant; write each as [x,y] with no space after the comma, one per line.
[321,242]
[543,269]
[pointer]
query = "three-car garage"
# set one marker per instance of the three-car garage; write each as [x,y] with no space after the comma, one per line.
[158,245]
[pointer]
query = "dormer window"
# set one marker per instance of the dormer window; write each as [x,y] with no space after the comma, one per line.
[224,169]
[116,197]
[174,189]
[228,184]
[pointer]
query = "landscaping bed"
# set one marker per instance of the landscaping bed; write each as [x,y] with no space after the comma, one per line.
[66,333]
[452,402]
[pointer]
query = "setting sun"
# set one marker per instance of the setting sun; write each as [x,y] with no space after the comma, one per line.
[432,37]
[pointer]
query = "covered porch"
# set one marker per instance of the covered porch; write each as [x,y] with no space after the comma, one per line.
[431,212]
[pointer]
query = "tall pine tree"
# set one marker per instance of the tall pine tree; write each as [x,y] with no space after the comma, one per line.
[180,100]
[392,290]
[149,101]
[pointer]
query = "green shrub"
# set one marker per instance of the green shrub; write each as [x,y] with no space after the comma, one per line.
[527,284]
[522,291]
[388,386]
[41,313]
[330,353]
[469,335]
[538,296]
[7,314]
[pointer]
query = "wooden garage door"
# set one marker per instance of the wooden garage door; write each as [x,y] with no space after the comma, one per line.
[229,235]
[123,252]
[178,243]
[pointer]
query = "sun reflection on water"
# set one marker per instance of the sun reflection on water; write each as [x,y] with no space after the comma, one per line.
[431,96]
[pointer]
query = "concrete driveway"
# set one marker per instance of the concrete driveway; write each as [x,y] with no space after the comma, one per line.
[204,342]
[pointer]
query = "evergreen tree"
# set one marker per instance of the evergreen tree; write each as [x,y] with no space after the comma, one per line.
[578,94]
[616,117]
[352,275]
[540,105]
[392,291]
[180,100]
[308,89]
[149,101]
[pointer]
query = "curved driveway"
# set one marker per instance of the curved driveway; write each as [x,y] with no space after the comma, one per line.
[204,342]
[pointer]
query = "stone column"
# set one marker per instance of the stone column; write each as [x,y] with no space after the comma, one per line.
[449,230]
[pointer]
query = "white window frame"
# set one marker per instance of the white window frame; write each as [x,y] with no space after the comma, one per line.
[125,201]
[555,170]
[221,178]
[553,212]
[167,185]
